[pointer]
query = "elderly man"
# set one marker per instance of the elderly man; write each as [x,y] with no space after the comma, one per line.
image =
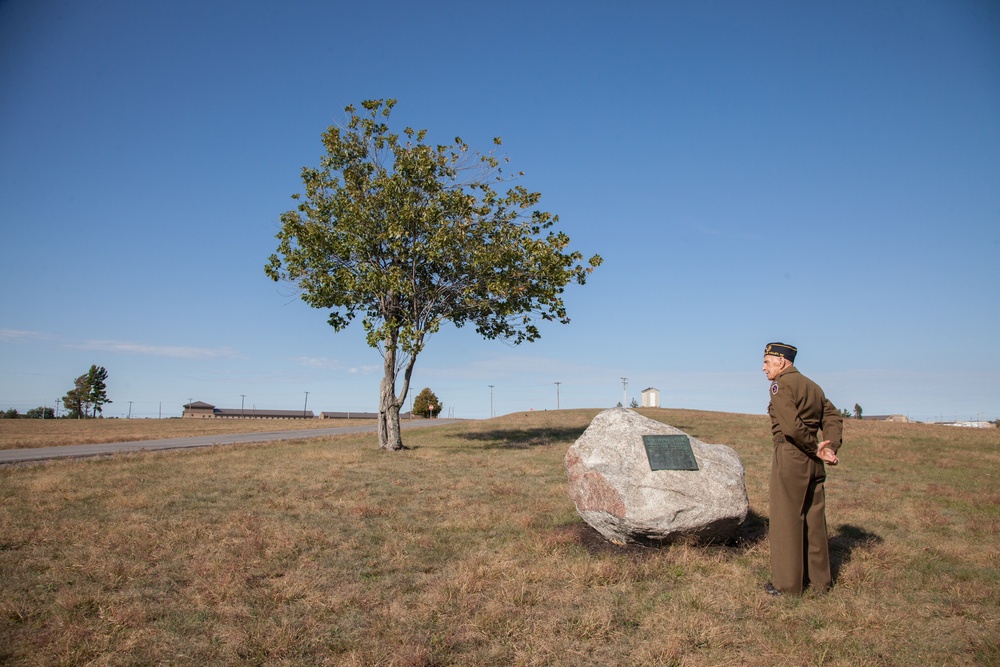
[799,410]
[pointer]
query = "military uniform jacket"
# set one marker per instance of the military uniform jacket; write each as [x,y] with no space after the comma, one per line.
[799,409]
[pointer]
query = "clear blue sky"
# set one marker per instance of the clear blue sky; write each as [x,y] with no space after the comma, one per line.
[825,174]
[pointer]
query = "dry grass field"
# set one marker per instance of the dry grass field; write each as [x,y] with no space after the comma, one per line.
[466,550]
[28,433]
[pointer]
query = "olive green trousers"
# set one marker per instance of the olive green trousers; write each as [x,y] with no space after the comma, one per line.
[800,552]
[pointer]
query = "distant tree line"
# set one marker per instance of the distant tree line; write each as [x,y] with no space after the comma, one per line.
[41,412]
[847,415]
[85,400]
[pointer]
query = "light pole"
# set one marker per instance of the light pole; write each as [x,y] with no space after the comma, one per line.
[557,394]
[624,393]
[491,401]
[304,405]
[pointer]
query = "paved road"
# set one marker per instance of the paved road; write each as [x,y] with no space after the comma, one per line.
[73,451]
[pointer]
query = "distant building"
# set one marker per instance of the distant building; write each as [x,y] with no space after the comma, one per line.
[885,418]
[358,415]
[200,410]
[969,424]
[349,415]
[651,397]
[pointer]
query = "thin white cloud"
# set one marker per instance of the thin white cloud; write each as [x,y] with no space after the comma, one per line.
[335,365]
[317,362]
[168,351]
[17,334]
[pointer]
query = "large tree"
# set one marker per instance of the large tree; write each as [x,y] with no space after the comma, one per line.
[89,393]
[427,404]
[98,388]
[77,399]
[411,235]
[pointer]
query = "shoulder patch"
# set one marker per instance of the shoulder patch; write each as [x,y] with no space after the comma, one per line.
[774,388]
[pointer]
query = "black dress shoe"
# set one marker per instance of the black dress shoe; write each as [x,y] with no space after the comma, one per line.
[771,590]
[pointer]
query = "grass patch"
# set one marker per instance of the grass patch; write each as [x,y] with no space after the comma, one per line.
[466,550]
[30,433]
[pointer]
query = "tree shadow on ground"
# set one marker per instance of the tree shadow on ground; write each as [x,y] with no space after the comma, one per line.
[848,540]
[750,533]
[525,438]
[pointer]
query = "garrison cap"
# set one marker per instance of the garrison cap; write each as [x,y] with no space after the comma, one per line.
[781,350]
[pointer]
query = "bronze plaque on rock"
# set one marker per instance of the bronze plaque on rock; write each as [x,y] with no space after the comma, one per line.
[669,452]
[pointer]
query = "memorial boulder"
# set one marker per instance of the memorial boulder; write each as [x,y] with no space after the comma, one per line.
[634,479]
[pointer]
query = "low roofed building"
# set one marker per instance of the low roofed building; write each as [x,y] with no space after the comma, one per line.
[886,418]
[201,410]
[358,415]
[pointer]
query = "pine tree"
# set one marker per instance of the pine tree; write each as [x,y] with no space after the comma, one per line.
[97,388]
[89,393]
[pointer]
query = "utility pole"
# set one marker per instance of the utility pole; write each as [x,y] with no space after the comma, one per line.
[491,401]
[129,410]
[557,394]
[305,405]
[243,398]
[624,393]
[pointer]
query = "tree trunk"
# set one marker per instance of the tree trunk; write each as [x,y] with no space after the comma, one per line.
[389,436]
[389,433]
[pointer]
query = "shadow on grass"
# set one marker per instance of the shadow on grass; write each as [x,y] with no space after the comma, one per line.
[750,533]
[848,540]
[525,438]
